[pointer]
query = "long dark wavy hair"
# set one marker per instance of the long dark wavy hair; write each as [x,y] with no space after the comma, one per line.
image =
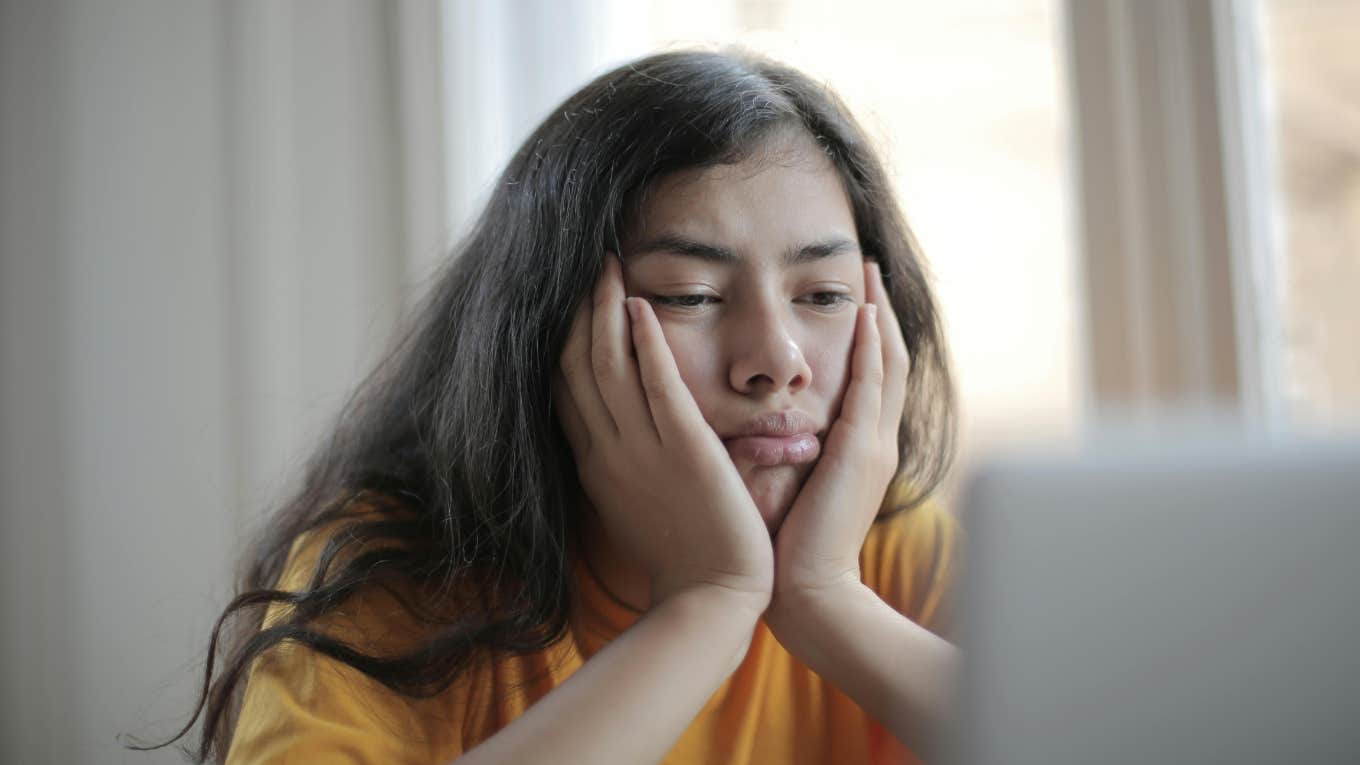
[452,441]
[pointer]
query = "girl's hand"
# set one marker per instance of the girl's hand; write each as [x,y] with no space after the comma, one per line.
[663,486]
[819,543]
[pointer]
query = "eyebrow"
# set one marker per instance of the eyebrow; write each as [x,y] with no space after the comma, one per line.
[675,244]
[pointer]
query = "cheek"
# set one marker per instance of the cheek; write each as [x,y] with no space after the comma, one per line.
[827,353]
[826,349]
[696,358]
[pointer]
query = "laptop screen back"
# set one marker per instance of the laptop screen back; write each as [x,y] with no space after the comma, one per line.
[1176,604]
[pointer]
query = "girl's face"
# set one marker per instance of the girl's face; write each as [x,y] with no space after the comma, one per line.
[755,273]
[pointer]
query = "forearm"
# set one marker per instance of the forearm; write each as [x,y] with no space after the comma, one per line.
[900,673]
[631,702]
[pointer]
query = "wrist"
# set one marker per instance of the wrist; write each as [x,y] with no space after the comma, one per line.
[729,618]
[747,604]
[799,608]
[799,587]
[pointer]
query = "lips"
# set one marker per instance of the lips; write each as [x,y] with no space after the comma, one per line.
[769,451]
[775,438]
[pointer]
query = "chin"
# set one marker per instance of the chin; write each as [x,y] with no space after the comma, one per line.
[773,490]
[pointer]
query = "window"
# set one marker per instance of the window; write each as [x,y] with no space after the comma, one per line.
[1313,108]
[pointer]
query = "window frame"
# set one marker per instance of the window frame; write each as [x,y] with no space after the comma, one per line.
[1172,194]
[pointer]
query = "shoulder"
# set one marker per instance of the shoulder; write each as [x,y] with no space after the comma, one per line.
[319,557]
[366,572]
[911,558]
[309,704]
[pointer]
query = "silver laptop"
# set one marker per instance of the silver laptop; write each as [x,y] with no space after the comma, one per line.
[1168,603]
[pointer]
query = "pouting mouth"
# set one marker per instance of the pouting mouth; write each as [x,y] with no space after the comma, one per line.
[788,422]
[770,451]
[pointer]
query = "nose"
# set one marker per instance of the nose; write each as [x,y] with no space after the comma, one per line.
[766,357]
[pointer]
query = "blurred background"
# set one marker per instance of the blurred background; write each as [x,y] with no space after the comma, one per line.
[212,213]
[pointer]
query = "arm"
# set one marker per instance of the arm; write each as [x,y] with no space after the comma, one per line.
[898,671]
[633,700]
[662,484]
[822,612]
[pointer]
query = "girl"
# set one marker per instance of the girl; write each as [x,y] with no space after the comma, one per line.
[644,479]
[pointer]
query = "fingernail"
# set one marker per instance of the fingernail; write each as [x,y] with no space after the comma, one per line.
[634,308]
[873,311]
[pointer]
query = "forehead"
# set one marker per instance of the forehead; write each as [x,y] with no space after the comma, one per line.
[787,192]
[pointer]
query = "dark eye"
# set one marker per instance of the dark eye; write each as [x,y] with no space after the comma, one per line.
[684,301]
[829,299]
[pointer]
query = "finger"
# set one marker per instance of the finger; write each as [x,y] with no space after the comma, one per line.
[615,371]
[864,396]
[896,360]
[672,406]
[580,377]
[573,426]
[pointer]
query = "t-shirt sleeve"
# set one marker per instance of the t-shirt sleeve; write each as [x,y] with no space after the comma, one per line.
[912,560]
[303,707]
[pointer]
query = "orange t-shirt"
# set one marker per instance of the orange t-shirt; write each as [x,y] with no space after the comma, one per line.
[301,707]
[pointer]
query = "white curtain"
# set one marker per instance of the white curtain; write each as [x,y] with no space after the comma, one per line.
[507,63]
[210,215]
